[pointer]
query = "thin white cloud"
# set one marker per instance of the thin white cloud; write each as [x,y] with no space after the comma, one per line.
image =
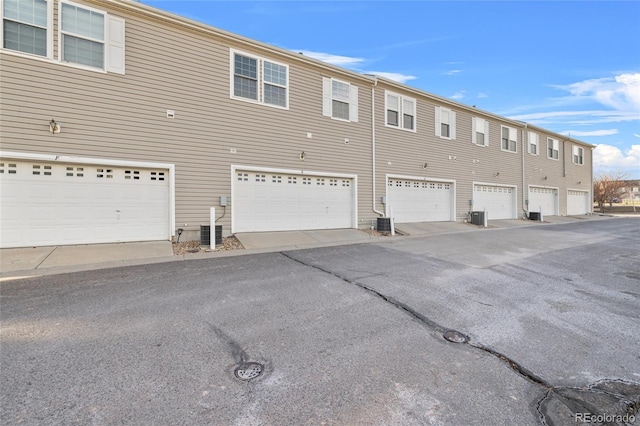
[580,133]
[576,117]
[400,78]
[621,92]
[636,135]
[459,95]
[482,95]
[342,61]
[452,72]
[608,158]
[353,63]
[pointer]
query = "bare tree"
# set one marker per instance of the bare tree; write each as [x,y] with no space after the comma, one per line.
[606,187]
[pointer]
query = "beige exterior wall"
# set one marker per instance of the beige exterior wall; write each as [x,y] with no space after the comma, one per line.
[401,152]
[123,117]
[179,65]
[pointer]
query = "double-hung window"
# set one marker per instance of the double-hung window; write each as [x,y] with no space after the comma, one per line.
[259,80]
[533,143]
[578,155]
[553,148]
[445,123]
[82,36]
[400,111]
[480,135]
[339,99]
[509,139]
[86,37]
[25,26]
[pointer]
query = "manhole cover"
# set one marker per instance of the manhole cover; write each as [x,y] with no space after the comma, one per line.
[455,336]
[248,370]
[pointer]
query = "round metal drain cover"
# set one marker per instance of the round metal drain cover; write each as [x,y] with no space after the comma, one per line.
[455,336]
[248,370]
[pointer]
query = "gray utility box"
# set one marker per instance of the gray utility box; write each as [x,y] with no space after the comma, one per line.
[477,218]
[535,216]
[205,235]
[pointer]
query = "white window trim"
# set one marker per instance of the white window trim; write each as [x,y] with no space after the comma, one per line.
[401,100]
[260,88]
[114,41]
[514,134]
[452,124]
[573,155]
[531,136]
[49,55]
[486,131]
[557,143]
[114,61]
[327,100]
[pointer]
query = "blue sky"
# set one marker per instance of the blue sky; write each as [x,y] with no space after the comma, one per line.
[569,66]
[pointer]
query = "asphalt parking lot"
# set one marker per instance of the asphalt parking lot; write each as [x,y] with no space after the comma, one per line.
[546,324]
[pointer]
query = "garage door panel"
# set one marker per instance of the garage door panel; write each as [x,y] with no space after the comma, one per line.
[73,204]
[543,200]
[498,201]
[577,202]
[419,201]
[281,202]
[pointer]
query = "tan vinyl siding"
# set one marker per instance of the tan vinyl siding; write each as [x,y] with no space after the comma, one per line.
[123,117]
[185,67]
[451,159]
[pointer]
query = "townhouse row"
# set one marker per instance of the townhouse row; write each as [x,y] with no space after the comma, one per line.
[121,122]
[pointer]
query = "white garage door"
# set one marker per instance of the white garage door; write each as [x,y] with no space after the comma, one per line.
[577,202]
[56,204]
[264,201]
[419,201]
[498,201]
[543,200]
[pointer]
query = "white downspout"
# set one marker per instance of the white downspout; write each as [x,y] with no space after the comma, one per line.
[525,145]
[373,142]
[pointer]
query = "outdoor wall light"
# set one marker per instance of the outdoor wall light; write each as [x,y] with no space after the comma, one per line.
[496,174]
[54,127]
[579,182]
[545,178]
[425,165]
[302,156]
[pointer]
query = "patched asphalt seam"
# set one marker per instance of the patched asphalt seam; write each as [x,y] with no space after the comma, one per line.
[572,404]
[429,323]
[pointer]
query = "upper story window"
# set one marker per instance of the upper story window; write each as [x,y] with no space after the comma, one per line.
[480,135]
[400,111]
[445,123]
[26,26]
[339,99]
[259,80]
[578,155]
[509,139]
[553,148]
[86,37]
[82,36]
[534,143]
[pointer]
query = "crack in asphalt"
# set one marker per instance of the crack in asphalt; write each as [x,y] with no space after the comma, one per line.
[428,322]
[239,354]
[574,404]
